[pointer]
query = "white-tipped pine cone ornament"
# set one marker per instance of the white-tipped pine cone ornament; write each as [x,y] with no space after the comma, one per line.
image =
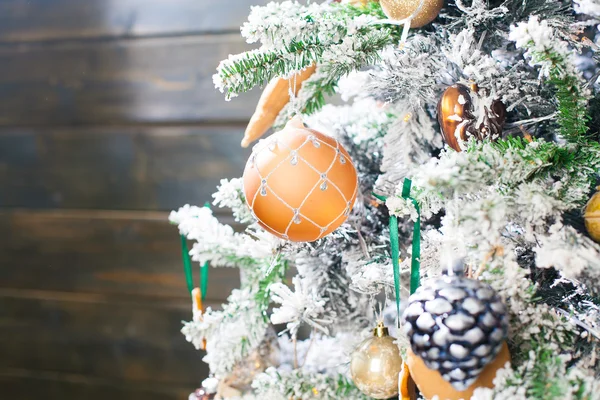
[457,326]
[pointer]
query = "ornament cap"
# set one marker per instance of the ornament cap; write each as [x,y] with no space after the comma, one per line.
[296,122]
[453,265]
[381,330]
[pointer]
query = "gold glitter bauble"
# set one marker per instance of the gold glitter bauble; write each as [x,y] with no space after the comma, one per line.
[400,9]
[376,364]
[592,216]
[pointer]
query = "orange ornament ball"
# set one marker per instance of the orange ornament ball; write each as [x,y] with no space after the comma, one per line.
[299,183]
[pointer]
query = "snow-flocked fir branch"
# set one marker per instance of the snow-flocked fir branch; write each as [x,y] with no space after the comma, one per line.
[230,195]
[588,7]
[217,243]
[502,205]
[339,38]
[231,334]
[302,305]
[547,50]
[281,385]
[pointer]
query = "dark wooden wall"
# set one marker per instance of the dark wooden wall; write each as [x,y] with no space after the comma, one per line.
[108,119]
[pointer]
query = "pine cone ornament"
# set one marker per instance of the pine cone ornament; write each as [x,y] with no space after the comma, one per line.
[457,326]
[463,113]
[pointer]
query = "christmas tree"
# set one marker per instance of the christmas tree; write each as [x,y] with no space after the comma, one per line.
[448,202]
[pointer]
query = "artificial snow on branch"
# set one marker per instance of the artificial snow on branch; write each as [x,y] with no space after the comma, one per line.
[338,38]
[231,334]
[217,243]
[302,305]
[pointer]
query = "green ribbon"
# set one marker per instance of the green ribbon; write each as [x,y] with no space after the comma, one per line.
[187,268]
[415,265]
[187,263]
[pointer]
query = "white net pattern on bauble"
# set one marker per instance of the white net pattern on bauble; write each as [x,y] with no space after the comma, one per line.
[323,183]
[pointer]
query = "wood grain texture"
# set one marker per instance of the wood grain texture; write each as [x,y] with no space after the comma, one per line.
[147,168]
[28,384]
[43,20]
[125,339]
[98,252]
[158,80]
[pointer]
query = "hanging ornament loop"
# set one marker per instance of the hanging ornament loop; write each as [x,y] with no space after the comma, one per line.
[415,266]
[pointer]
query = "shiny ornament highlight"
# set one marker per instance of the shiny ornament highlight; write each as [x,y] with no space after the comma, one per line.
[300,184]
[401,9]
[376,364]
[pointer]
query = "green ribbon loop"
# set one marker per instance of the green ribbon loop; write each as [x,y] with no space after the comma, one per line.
[395,247]
[415,266]
[187,263]
[187,268]
[204,280]
[394,240]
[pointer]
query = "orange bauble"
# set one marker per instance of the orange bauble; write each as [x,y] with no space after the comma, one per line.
[299,183]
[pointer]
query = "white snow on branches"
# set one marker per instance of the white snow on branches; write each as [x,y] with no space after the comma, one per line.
[539,39]
[218,243]
[589,7]
[302,305]
[568,251]
[231,194]
[230,334]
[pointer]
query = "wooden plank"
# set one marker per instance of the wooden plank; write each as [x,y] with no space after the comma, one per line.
[147,168]
[37,20]
[135,340]
[111,253]
[157,80]
[18,384]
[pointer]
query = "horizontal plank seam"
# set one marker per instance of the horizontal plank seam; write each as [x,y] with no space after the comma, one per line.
[66,40]
[169,302]
[98,214]
[150,385]
[200,123]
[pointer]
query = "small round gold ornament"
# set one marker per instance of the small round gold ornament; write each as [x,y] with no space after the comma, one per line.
[401,9]
[376,364]
[592,216]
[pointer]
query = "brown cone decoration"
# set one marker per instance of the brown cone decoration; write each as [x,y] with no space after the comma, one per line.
[273,99]
[462,112]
